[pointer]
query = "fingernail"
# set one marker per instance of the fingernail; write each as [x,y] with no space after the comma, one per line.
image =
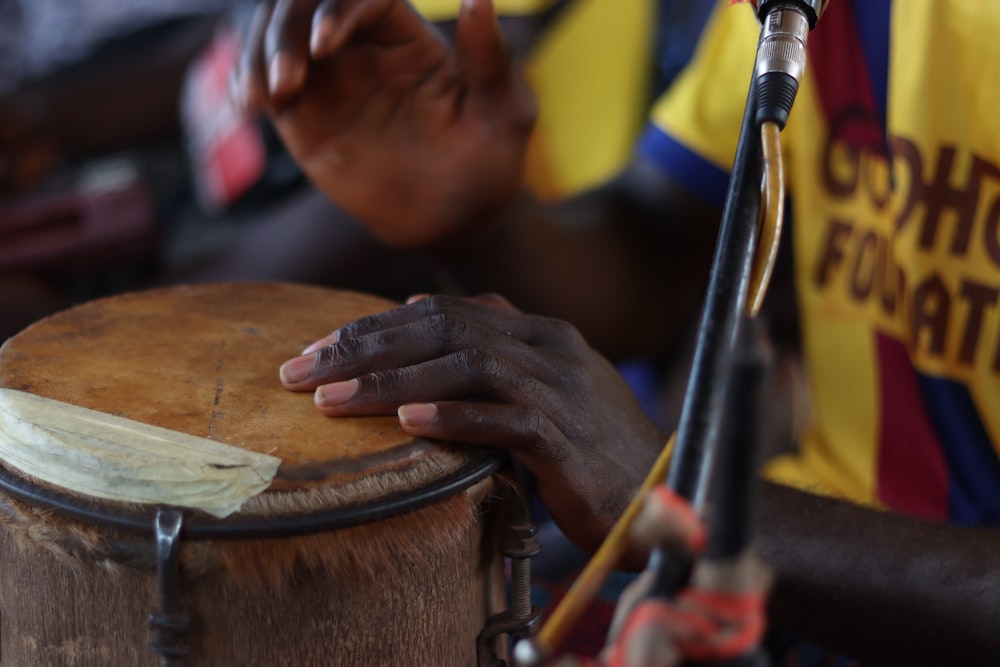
[417,414]
[336,393]
[416,297]
[322,35]
[297,369]
[282,72]
[326,341]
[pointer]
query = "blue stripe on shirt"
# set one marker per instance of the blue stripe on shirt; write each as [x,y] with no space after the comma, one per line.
[973,465]
[684,166]
[872,18]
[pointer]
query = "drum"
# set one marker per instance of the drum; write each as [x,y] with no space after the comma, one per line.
[160,490]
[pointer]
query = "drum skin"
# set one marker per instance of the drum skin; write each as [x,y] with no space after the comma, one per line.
[413,589]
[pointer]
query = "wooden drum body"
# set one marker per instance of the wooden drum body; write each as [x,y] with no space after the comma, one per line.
[317,542]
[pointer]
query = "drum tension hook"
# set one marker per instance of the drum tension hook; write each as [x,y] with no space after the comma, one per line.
[168,623]
[520,619]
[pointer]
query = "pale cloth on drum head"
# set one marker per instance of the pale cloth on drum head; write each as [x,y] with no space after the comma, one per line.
[106,456]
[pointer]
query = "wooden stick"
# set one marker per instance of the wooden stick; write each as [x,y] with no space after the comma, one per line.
[600,565]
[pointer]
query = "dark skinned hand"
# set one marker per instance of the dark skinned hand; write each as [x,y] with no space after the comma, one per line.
[416,139]
[477,371]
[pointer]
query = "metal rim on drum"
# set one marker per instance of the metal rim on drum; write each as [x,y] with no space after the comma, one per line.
[233,528]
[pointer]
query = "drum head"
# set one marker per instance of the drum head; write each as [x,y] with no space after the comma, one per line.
[203,360]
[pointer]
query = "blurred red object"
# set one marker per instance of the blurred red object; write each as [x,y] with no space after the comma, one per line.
[227,149]
[108,220]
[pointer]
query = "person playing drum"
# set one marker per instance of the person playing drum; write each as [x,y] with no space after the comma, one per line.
[882,524]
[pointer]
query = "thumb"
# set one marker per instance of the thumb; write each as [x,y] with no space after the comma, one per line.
[480,47]
[387,21]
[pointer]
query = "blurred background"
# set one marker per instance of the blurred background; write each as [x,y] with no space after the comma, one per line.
[123,165]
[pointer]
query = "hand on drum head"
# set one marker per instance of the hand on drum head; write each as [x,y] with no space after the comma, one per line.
[477,371]
[414,138]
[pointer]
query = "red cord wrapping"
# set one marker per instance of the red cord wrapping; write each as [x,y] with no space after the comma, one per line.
[702,624]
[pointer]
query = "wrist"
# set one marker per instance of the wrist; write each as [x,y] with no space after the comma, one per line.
[482,232]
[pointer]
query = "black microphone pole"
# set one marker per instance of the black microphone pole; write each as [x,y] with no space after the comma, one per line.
[723,310]
[700,458]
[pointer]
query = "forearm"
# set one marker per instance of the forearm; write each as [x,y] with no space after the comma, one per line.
[600,260]
[878,587]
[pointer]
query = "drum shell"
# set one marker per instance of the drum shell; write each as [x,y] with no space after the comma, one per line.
[416,588]
[76,595]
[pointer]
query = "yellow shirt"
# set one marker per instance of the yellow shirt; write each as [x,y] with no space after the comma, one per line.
[893,155]
[591,72]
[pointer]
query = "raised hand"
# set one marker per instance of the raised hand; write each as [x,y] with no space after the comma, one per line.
[477,371]
[415,138]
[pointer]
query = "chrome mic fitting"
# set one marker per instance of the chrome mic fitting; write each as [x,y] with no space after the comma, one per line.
[782,45]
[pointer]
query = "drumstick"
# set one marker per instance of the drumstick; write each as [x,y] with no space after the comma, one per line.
[597,569]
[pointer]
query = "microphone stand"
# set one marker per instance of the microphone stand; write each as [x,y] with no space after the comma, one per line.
[739,270]
[723,391]
[728,287]
[714,460]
